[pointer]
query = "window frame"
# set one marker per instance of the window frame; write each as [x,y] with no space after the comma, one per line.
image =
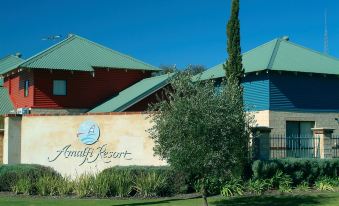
[53,91]
[26,88]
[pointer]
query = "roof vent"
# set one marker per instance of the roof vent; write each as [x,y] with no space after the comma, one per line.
[286,38]
[18,54]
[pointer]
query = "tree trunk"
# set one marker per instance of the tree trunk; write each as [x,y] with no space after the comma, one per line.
[204,196]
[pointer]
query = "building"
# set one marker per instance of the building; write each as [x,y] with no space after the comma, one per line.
[289,87]
[76,75]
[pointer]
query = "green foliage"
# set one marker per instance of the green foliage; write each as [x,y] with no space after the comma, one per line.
[299,170]
[65,186]
[281,181]
[47,185]
[11,174]
[258,186]
[176,182]
[102,185]
[324,185]
[303,187]
[233,65]
[121,183]
[189,127]
[150,184]
[84,185]
[23,186]
[233,187]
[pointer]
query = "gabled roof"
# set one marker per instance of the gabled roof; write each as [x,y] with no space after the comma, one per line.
[79,54]
[133,94]
[8,63]
[281,55]
[5,102]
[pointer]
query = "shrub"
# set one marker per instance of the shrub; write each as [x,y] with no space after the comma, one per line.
[324,185]
[84,185]
[175,183]
[11,174]
[298,169]
[258,186]
[102,185]
[233,187]
[23,186]
[46,185]
[64,186]
[150,184]
[281,181]
[303,187]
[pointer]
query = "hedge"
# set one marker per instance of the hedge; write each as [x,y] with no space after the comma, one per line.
[10,174]
[298,169]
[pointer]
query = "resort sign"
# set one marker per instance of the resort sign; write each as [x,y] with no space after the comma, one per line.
[88,134]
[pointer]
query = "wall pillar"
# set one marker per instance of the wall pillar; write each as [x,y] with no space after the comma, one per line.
[1,146]
[12,140]
[325,146]
[261,143]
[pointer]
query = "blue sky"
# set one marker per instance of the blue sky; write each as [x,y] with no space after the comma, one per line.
[163,32]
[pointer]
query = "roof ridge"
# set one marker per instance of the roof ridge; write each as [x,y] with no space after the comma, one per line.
[111,50]
[43,53]
[274,54]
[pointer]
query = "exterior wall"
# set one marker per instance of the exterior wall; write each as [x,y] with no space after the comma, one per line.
[256,92]
[57,111]
[261,118]
[302,92]
[83,90]
[277,120]
[144,104]
[15,85]
[43,137]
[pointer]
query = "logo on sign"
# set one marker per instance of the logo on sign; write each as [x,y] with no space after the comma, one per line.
[88,132]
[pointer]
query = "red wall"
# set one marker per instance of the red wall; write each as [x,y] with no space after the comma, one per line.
[83,90]
[15,85]
[152,99]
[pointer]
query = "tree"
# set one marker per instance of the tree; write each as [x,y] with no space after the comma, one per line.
[195,69]
[233,66]
[235,72]
[168,69]
[194,131]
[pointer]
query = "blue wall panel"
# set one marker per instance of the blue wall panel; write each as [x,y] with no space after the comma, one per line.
[256,91]
[303,92]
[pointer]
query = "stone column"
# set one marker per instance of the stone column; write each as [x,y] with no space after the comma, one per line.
[1,146]
[12,140]
[261,143]
[325,147]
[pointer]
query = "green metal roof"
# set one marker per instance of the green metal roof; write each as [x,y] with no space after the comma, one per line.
[8,63]
[79,54]
[133,94]
[281,55]
[5,102]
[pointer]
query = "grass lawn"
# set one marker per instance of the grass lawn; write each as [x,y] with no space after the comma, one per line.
[318,199]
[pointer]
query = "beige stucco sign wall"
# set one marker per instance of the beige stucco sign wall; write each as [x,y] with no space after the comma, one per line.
[56,141]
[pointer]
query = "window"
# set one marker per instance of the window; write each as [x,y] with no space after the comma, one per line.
[26,88]
[59,87]
[299,128]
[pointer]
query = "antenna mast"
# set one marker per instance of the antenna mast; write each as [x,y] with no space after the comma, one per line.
[325,34]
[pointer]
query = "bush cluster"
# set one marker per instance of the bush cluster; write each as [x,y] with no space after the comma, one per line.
[300,170]
[10,175]
[112,182]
